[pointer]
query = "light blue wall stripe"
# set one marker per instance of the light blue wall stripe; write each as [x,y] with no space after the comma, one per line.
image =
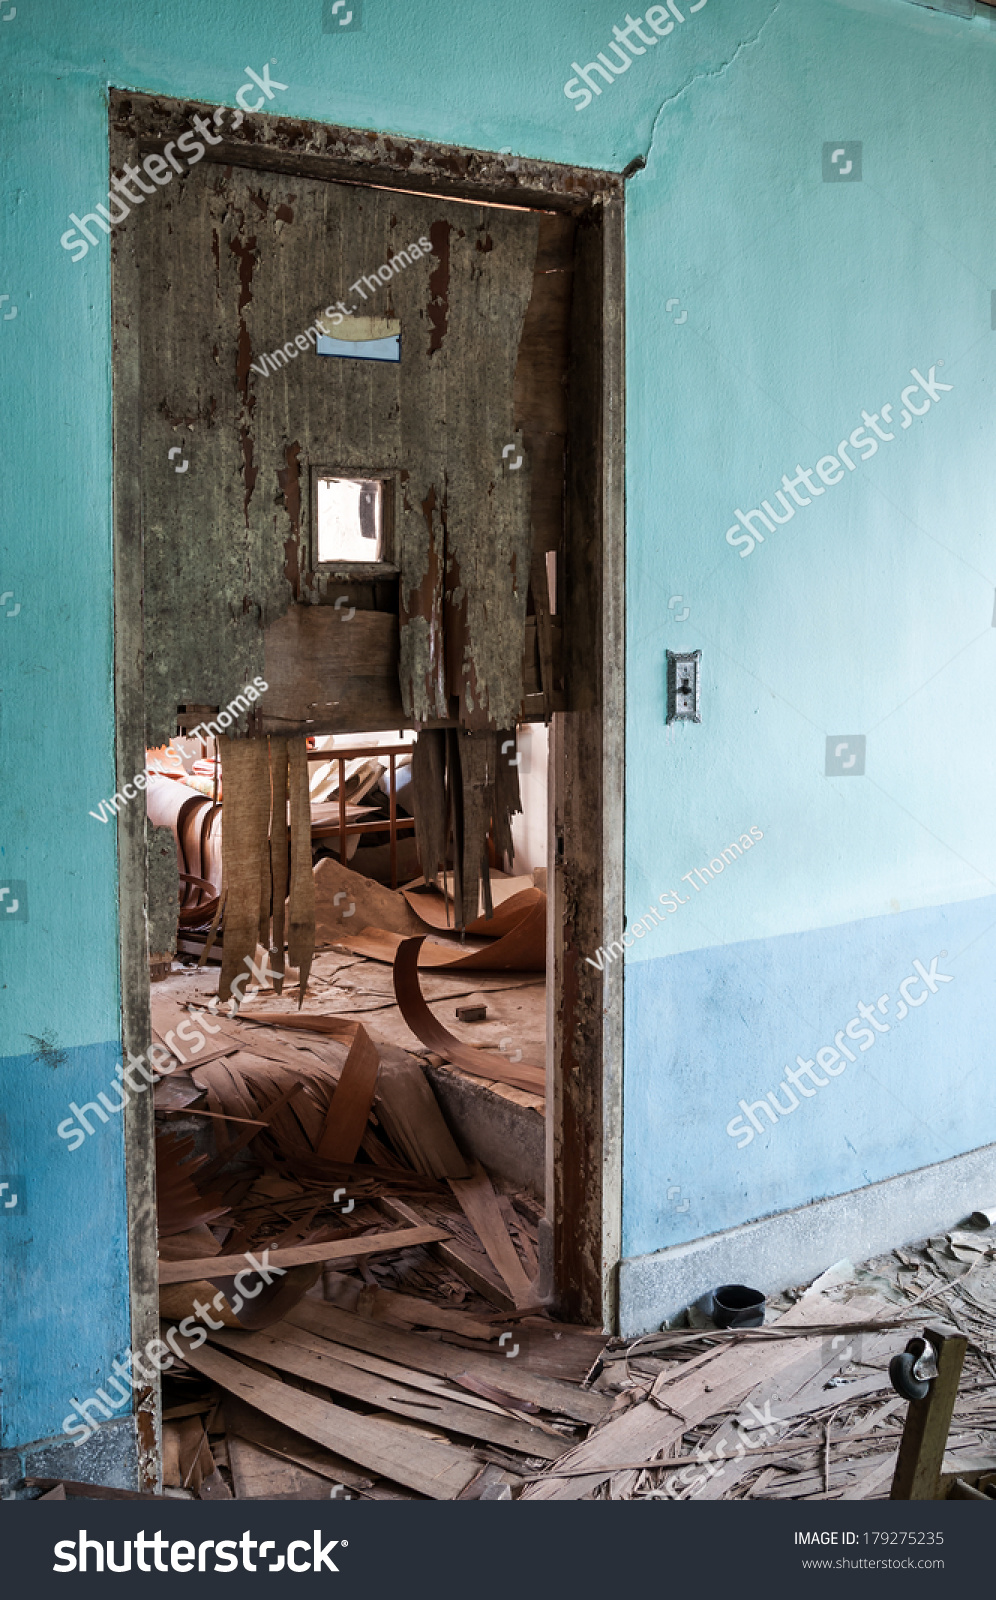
[63,1258]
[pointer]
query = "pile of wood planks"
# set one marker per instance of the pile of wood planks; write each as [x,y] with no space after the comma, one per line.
[402,1348]
[360,1401]
[405,1351]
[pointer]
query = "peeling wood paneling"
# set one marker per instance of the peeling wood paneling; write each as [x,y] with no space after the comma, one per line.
[238,265]
[488,536]
[541,412]
[210,571]
[439,285]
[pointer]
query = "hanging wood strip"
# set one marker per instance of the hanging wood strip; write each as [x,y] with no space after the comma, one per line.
[472,772]
[455,822]
[429,798]
[540,590]
[506,796]
[301,942]
[245,811]
[278,857]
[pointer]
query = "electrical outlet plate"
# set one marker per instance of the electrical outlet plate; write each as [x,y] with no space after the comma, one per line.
[683,676]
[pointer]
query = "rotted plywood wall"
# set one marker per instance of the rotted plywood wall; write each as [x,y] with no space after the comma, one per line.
[235,263]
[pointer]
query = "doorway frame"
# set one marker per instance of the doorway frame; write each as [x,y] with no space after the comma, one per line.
[581,1243]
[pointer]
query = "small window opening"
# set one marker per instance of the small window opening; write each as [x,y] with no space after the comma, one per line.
[350,522]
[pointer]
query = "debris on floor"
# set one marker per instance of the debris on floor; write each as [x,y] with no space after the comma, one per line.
[801,1408]
[355,1304]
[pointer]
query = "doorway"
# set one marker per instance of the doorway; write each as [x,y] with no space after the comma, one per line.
[472,425]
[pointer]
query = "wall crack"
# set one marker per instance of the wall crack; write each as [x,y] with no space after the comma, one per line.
[701,77]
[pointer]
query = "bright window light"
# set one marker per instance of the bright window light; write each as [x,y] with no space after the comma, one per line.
[350,520]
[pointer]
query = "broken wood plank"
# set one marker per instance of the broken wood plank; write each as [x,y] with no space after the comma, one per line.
[792,1393]
[259,1475]
[349,1108]
[341,1249]
[202,1038]
[876,1476]
[410,1376]
[474,1268]
[246,1422]
[271,1115]
[193,1408]
[480,1206]
[410,1349]
[390,1396]
[644,1431]
[408,1310]
[411,1118]
[389,1450]
[187,1458]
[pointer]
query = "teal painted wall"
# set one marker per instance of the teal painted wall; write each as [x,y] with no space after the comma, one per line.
[806,302]
[869,613]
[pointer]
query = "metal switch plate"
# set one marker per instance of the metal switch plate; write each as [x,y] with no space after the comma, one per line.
[683,677]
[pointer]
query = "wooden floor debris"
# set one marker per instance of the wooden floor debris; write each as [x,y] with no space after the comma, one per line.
[401,1347]
[801,1409]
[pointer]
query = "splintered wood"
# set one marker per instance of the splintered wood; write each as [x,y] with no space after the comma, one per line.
[257,777]
[379,1329]
[422,1358]
[802,1409]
